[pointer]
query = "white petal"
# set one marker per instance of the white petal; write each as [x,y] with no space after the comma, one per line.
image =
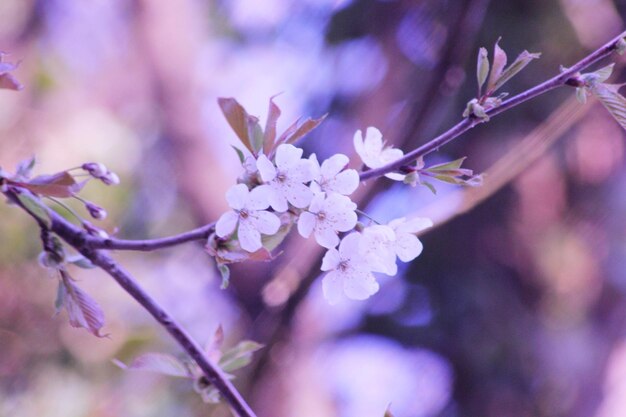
[357,141]
[306,224]
[408,247]
[395,176]
[331,260]
[298,194]
[237,195]
[373,140]
[226,224]
[333,165]
[349,246]
[377,249]
[326,236]
[315,166]
[344,183]
[332,287]
[266,168]
[258,199]
[391,154]
[340,213]
[287,155]
[265,222]
[276,198]
[369,149]
[317,203]
[359,285]
[414,225]
[249,237]
[301,171]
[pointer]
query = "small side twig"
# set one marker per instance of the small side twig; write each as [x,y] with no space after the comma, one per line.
[84,243]
[147,245]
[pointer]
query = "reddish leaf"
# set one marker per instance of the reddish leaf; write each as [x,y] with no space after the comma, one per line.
[238,119]
[269,135]
[499,62]
[82,310]
[297,131]
[61,185]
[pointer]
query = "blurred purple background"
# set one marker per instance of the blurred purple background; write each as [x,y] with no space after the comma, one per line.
[516,307]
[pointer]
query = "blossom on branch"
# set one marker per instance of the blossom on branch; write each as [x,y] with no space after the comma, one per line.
[374,153]
[348,272]
[249,217]
[331,177]
[326,216]
[382,243]
[284,183]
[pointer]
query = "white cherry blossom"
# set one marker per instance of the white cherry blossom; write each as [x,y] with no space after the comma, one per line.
[348,272]
[407,246]
[248,216]
[377,247]
[329,177]
[326,216]
[382,243]
[284,182]
[373,153]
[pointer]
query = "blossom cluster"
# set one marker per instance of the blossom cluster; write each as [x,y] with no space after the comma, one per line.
[316,198]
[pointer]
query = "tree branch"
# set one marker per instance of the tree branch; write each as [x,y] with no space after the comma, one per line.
[84,243]
[468,123]
[201,233]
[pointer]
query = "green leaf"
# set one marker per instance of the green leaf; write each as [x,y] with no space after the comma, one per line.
[482,68]
[519,64]
[225,272]
[240,154]
[612,100]
[255,134]
[581,95]
[447,166]
[36,208]
[239,356]
[499,62]
[157,362]
[81,262]
[59,302]
[430,187]
[598,76]
[271,242]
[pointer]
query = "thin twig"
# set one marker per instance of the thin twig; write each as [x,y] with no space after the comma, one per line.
[468,123]
[201,233]
[84,243]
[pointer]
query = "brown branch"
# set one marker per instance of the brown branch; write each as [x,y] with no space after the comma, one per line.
[466,124]
[81,241]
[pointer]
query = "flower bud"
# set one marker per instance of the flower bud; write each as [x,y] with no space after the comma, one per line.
[95,211]
[95,169]
[110,178]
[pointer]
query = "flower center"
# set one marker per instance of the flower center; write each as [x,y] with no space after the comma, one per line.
[321,216]
[243,213]
[281,177]
[343,265]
